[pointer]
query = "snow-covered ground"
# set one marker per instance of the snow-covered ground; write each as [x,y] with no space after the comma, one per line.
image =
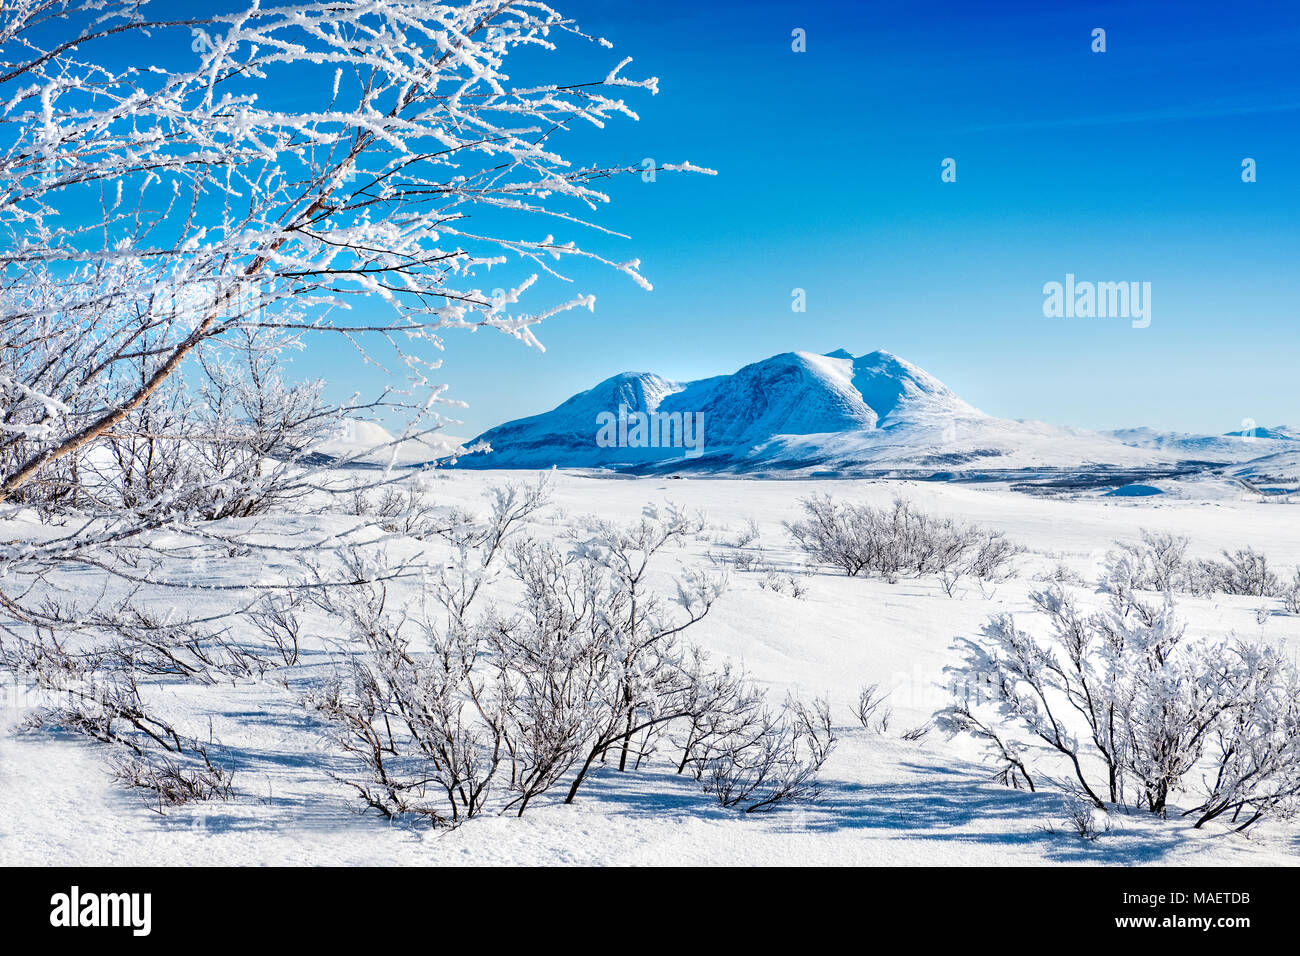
[888,800]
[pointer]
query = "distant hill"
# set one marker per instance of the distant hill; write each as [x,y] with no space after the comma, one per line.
[805,413]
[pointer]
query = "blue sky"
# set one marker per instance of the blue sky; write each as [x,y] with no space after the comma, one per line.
[1115,166]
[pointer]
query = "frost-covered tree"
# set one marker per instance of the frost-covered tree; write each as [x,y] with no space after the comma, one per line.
[1255,767]
[187,201]
[351,169]
[1139,712]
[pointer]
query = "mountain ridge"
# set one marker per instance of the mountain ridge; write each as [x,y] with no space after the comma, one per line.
[827,413]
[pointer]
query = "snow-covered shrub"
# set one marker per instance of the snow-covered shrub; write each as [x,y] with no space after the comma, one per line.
[170,783]
[276,617]
[89,674]
[1159,563]
[1060,573]
[892,542]
[983,555]
[781,583]
[1084,817]
[872,710]
[388,504]
[411,719]
[746,553]
[857,539]
[919,732]
[414,514]
[747,536]
[1254,764]
[1126,691]
[449,717]
[1291,595]
[647,685]
[1244,571]
[745,560]
[774,761]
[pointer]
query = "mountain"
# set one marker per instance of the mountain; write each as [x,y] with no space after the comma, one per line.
[1278,472]
[1232,447]
[804,413]
[1279,432]
[795,393]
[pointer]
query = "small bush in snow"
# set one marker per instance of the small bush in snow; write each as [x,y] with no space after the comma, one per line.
[748,536]
[871,710]
[91,679]
[1291,596]
[1215,723]
[1060,574]
[899,541]
[1084,818]
[919,732]
[781,583]
[1244,571]
[170,783]
[448,718]
[774,761]
[1159,563]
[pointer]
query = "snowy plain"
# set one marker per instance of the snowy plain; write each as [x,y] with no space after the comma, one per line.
[888,800]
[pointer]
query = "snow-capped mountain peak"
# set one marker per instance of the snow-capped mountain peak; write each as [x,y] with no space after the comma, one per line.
[802,412]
